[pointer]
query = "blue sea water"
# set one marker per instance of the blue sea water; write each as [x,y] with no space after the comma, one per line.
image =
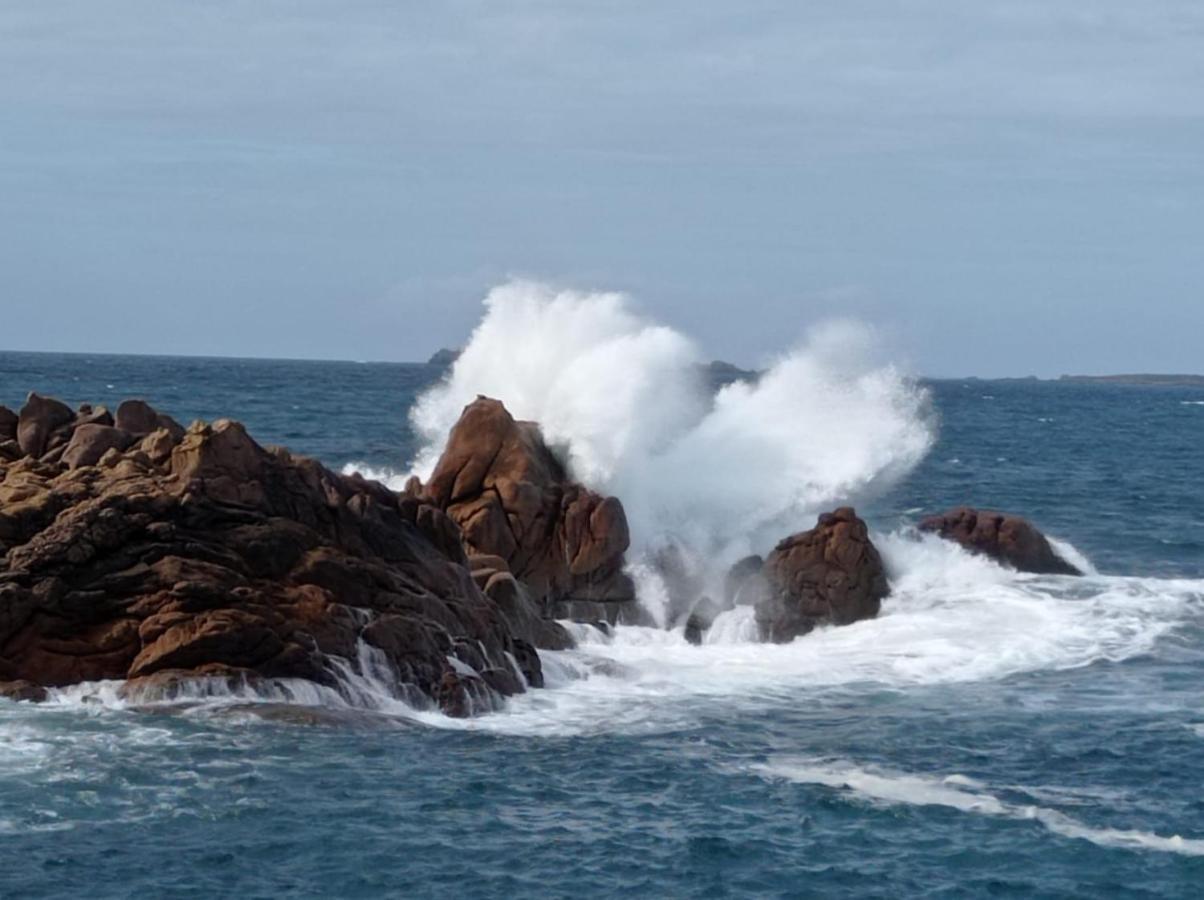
[990,735]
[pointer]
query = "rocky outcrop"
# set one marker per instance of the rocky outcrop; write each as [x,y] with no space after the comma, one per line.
[831,574]
[513,500]
[162,555]
[1008,539]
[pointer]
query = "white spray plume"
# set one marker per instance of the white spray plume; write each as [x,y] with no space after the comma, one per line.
[623,400]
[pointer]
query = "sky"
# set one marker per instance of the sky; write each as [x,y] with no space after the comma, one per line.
[999,188]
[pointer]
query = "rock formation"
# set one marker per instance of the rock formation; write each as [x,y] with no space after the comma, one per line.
[831,574]
[513,500]
[135,550]
[1007,539]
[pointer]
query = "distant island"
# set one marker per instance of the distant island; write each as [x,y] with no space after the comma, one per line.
[1146,380]
[445,358]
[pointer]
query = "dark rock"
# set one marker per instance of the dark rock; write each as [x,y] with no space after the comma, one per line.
[444,358]
[90,442]
[23,691]
[8,424]
[738,577]
[512,498]
[1007,539]
[40,418]
[831,574]
[695,628]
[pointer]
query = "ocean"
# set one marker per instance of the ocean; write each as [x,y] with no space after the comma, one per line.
[990,734]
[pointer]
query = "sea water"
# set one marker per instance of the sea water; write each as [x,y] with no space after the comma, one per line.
[990,734]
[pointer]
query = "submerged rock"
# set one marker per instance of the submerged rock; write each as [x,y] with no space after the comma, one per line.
[513,499]
[202,555]
[1011,540]
[831,574]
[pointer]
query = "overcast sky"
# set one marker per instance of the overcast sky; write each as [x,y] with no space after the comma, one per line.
[1000,187]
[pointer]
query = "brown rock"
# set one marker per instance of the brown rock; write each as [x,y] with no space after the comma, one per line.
[40,418]
[90,442]
[139,417]
[1008,539]
[225,561]
[831,574]
[92,415]
[512,498]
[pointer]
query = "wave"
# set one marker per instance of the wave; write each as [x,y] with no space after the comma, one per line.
[622,400]
[963,794]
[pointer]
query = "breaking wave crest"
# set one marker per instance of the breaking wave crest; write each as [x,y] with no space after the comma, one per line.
[623,400]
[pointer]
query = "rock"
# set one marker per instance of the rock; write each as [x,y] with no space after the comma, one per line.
[695,628]
[23,691]
[213,558]
[1008,539]
[90,415]
[8,424]
[40,418]
[90,442]
[513,499]
[831,574]
[738,577]
[139,417]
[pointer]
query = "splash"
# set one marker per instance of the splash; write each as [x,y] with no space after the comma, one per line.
[622,399]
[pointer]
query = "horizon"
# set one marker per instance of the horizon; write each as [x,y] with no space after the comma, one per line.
[421,362]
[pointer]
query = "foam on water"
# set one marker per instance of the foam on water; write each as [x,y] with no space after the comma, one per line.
[952,617]
[958,792]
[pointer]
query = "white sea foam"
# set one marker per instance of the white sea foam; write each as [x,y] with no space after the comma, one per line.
[621,397]
[963,794]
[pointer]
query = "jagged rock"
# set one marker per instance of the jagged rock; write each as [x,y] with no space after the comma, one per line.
[40,419]
[1011,540]
[214,558]
[512,498]
[831,574]
[90,442]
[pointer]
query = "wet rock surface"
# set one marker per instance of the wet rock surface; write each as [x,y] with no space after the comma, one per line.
[1008,539]
[513,500]
[831,574]
[138,550]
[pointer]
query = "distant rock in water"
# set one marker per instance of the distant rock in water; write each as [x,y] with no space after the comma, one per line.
[169,556]
[445,358]
[831,574]
[513,499]
[1007,539]
[718,374]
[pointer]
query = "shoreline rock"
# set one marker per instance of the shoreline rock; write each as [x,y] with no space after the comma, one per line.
[1008,539]
[514,501]
[132,554]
